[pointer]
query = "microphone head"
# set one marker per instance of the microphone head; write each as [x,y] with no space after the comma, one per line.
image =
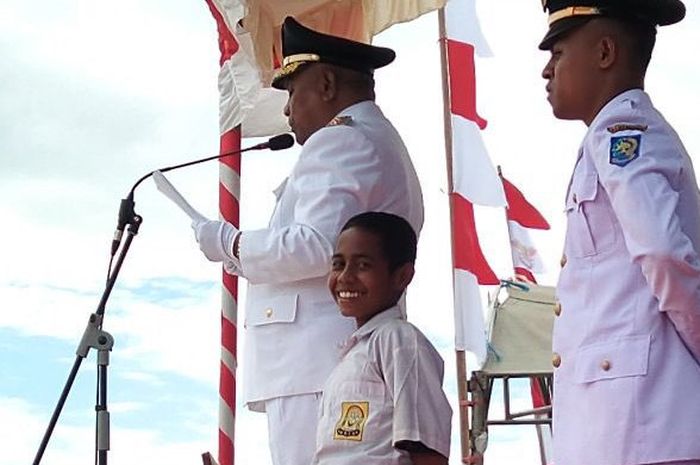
[281,142]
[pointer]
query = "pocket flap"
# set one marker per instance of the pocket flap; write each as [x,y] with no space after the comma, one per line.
[583,189]
[627,356]
[273,309]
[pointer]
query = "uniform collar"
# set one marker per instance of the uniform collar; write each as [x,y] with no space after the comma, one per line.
[393,313]
[366,108]
[632,97]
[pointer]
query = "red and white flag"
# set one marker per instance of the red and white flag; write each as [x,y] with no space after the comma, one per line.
[522,216]
[474,179]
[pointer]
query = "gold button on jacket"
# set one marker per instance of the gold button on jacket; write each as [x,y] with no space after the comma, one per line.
[556,360]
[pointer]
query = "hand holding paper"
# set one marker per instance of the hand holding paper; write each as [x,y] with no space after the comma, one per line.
[215,238]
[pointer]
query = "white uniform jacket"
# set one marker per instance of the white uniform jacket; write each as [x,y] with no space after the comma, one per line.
[293,327]
[387,389]
[627,339]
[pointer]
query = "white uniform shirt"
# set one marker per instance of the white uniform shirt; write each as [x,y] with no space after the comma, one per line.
[386,389]
[293,326]
[627,340]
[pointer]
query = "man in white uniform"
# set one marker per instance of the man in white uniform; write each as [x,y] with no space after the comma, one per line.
[352,160]
[627,335]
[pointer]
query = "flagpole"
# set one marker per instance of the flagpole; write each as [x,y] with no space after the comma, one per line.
[460,357]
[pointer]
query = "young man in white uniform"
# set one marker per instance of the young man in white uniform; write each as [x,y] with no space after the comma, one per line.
[627,334]
[352,160]
[384,403]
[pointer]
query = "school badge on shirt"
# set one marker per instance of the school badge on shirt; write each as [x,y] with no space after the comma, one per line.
[351,425]
[624,149]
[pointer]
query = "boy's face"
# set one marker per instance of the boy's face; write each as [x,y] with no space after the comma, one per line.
[570,74]
[360,280]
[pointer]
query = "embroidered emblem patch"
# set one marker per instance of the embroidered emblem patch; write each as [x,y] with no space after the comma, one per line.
[627,127]
[345,120]
[624,149]
[352,421]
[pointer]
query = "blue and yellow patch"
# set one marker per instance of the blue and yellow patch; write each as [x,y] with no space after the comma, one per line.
[624,149]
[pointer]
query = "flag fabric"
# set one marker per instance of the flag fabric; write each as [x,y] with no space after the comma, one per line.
[520,210]
[523,216]
[474,179]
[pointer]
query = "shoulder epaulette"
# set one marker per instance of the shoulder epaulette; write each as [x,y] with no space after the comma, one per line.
[345,120]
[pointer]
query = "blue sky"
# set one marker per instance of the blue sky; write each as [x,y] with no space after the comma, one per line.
[94,95]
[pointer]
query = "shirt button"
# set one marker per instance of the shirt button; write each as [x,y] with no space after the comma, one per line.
[268,312]
[575,199]
[556,360]
[562,262]
[557,308]
[605,365]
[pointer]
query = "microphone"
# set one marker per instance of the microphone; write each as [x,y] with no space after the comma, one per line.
[126,207]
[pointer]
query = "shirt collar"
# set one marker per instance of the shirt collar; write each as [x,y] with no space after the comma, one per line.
[633,96]
[376,321]
[361,109]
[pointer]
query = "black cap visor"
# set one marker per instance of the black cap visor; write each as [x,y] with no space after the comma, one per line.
[562,27]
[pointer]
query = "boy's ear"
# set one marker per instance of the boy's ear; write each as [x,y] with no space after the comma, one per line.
[403,276]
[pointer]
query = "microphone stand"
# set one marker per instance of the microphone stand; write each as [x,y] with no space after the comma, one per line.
[94,337]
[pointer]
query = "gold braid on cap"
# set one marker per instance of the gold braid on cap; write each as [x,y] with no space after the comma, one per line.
[574,11]
[292,62]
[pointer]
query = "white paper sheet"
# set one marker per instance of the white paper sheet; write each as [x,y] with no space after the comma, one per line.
[170,192]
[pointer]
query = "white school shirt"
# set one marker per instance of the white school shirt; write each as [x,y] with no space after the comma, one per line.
[386,389]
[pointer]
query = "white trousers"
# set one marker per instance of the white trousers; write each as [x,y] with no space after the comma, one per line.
[291,424]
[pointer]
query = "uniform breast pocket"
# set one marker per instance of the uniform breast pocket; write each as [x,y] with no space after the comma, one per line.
[592,228]
[277,309]
[625,357]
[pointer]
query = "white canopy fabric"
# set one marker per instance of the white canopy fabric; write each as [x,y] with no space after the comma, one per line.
[520,332]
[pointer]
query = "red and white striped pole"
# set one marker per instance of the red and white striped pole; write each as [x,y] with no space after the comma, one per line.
[229,195]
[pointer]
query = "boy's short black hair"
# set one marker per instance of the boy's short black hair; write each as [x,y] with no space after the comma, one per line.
[397,237]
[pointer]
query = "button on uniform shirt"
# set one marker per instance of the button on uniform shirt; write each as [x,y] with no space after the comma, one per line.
[627,388]
[386,389]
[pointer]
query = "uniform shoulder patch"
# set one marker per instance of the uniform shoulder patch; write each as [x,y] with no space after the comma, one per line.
[627,127]
[624,149]
[345,120]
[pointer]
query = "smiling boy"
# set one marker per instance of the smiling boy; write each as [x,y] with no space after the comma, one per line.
[384,403]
